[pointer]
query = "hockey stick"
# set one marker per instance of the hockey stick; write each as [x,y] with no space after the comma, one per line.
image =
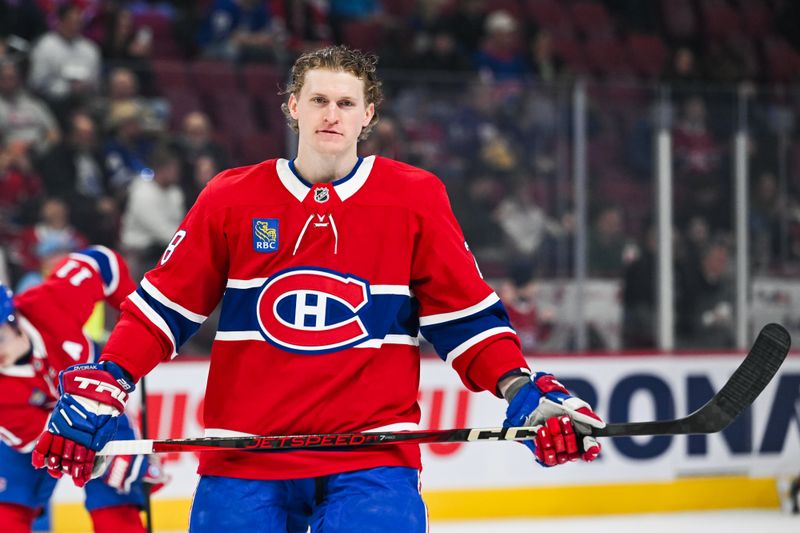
[746,383]
[148,508]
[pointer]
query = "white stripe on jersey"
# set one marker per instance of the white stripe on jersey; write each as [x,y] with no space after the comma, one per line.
[487,302]
[245,283]
[9,438]
[254,283]
[402,290]
[371,343]
[155,318]
[157,295]
[469,343]
[389,339]
[112,261]
[19,371]
[238,336]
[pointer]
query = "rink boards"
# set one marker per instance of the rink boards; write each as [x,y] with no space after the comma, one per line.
[736,468]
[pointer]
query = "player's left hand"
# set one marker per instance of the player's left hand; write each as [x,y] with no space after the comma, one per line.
[564,422]
[122,472]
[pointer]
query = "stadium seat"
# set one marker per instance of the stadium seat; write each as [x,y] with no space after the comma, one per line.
[607,56]
[720,19]
[233,113]
[570,51]
[549,14]
[259,80]
[363,35]
[783,61]
[756,18]
[680,19]
[591,18]
[648,54]
[214,77]
[171,74]
[398,8]
[257,147]
[182,101]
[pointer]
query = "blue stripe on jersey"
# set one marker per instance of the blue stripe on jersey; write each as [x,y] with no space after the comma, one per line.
[182,328]
[103,261]
[446,336]
[388,314]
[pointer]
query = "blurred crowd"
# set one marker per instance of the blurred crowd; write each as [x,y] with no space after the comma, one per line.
[115,114]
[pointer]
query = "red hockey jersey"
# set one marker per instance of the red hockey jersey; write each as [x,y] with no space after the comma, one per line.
[52,315]
[324,292]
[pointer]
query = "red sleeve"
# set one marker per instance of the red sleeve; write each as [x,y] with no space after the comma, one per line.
[176,296]
[80,280]
[459,313]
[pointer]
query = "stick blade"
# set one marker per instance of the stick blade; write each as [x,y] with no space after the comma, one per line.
[747,382]
[754,374]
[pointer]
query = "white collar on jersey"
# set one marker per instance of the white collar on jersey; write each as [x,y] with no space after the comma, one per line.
[347,188]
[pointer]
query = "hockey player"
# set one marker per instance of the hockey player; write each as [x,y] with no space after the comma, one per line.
[41,335]
[328,266]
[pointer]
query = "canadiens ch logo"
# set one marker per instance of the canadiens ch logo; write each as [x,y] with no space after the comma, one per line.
[265,235]
[312,310]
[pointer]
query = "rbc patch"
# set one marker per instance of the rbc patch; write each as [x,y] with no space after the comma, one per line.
[265,235]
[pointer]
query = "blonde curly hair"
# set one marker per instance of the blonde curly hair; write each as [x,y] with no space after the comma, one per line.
[337,58]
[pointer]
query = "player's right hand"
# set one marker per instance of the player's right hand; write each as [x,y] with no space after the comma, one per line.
[563,422]
[84,419]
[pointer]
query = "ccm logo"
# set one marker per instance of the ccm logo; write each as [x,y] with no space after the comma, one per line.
[101,387]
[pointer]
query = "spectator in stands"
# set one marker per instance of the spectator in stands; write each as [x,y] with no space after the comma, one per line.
[154,211]
[474,205]
[129,46]
[767,213]
[467,24]
[64,65]
[307,23]
[344,11]
[440,53]
[73,170]
[683,67]
[23,118]
[526,225]
[705,300]
[242,30]
[543,64]
[205,168]
[49,251]
[639,295]
[518,294]
[385,139]
[20,186]
[127,150]
[697,167]
[53,225]
[607,243]
[194,142]
[500,57]
[123,86]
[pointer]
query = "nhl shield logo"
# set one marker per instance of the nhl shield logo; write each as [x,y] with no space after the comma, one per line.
[322,195]
[266,237]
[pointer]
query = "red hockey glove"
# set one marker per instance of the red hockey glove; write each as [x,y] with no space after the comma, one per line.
[564,421]
[84,419]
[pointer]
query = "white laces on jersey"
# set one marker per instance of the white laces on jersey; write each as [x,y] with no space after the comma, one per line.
[305,227]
